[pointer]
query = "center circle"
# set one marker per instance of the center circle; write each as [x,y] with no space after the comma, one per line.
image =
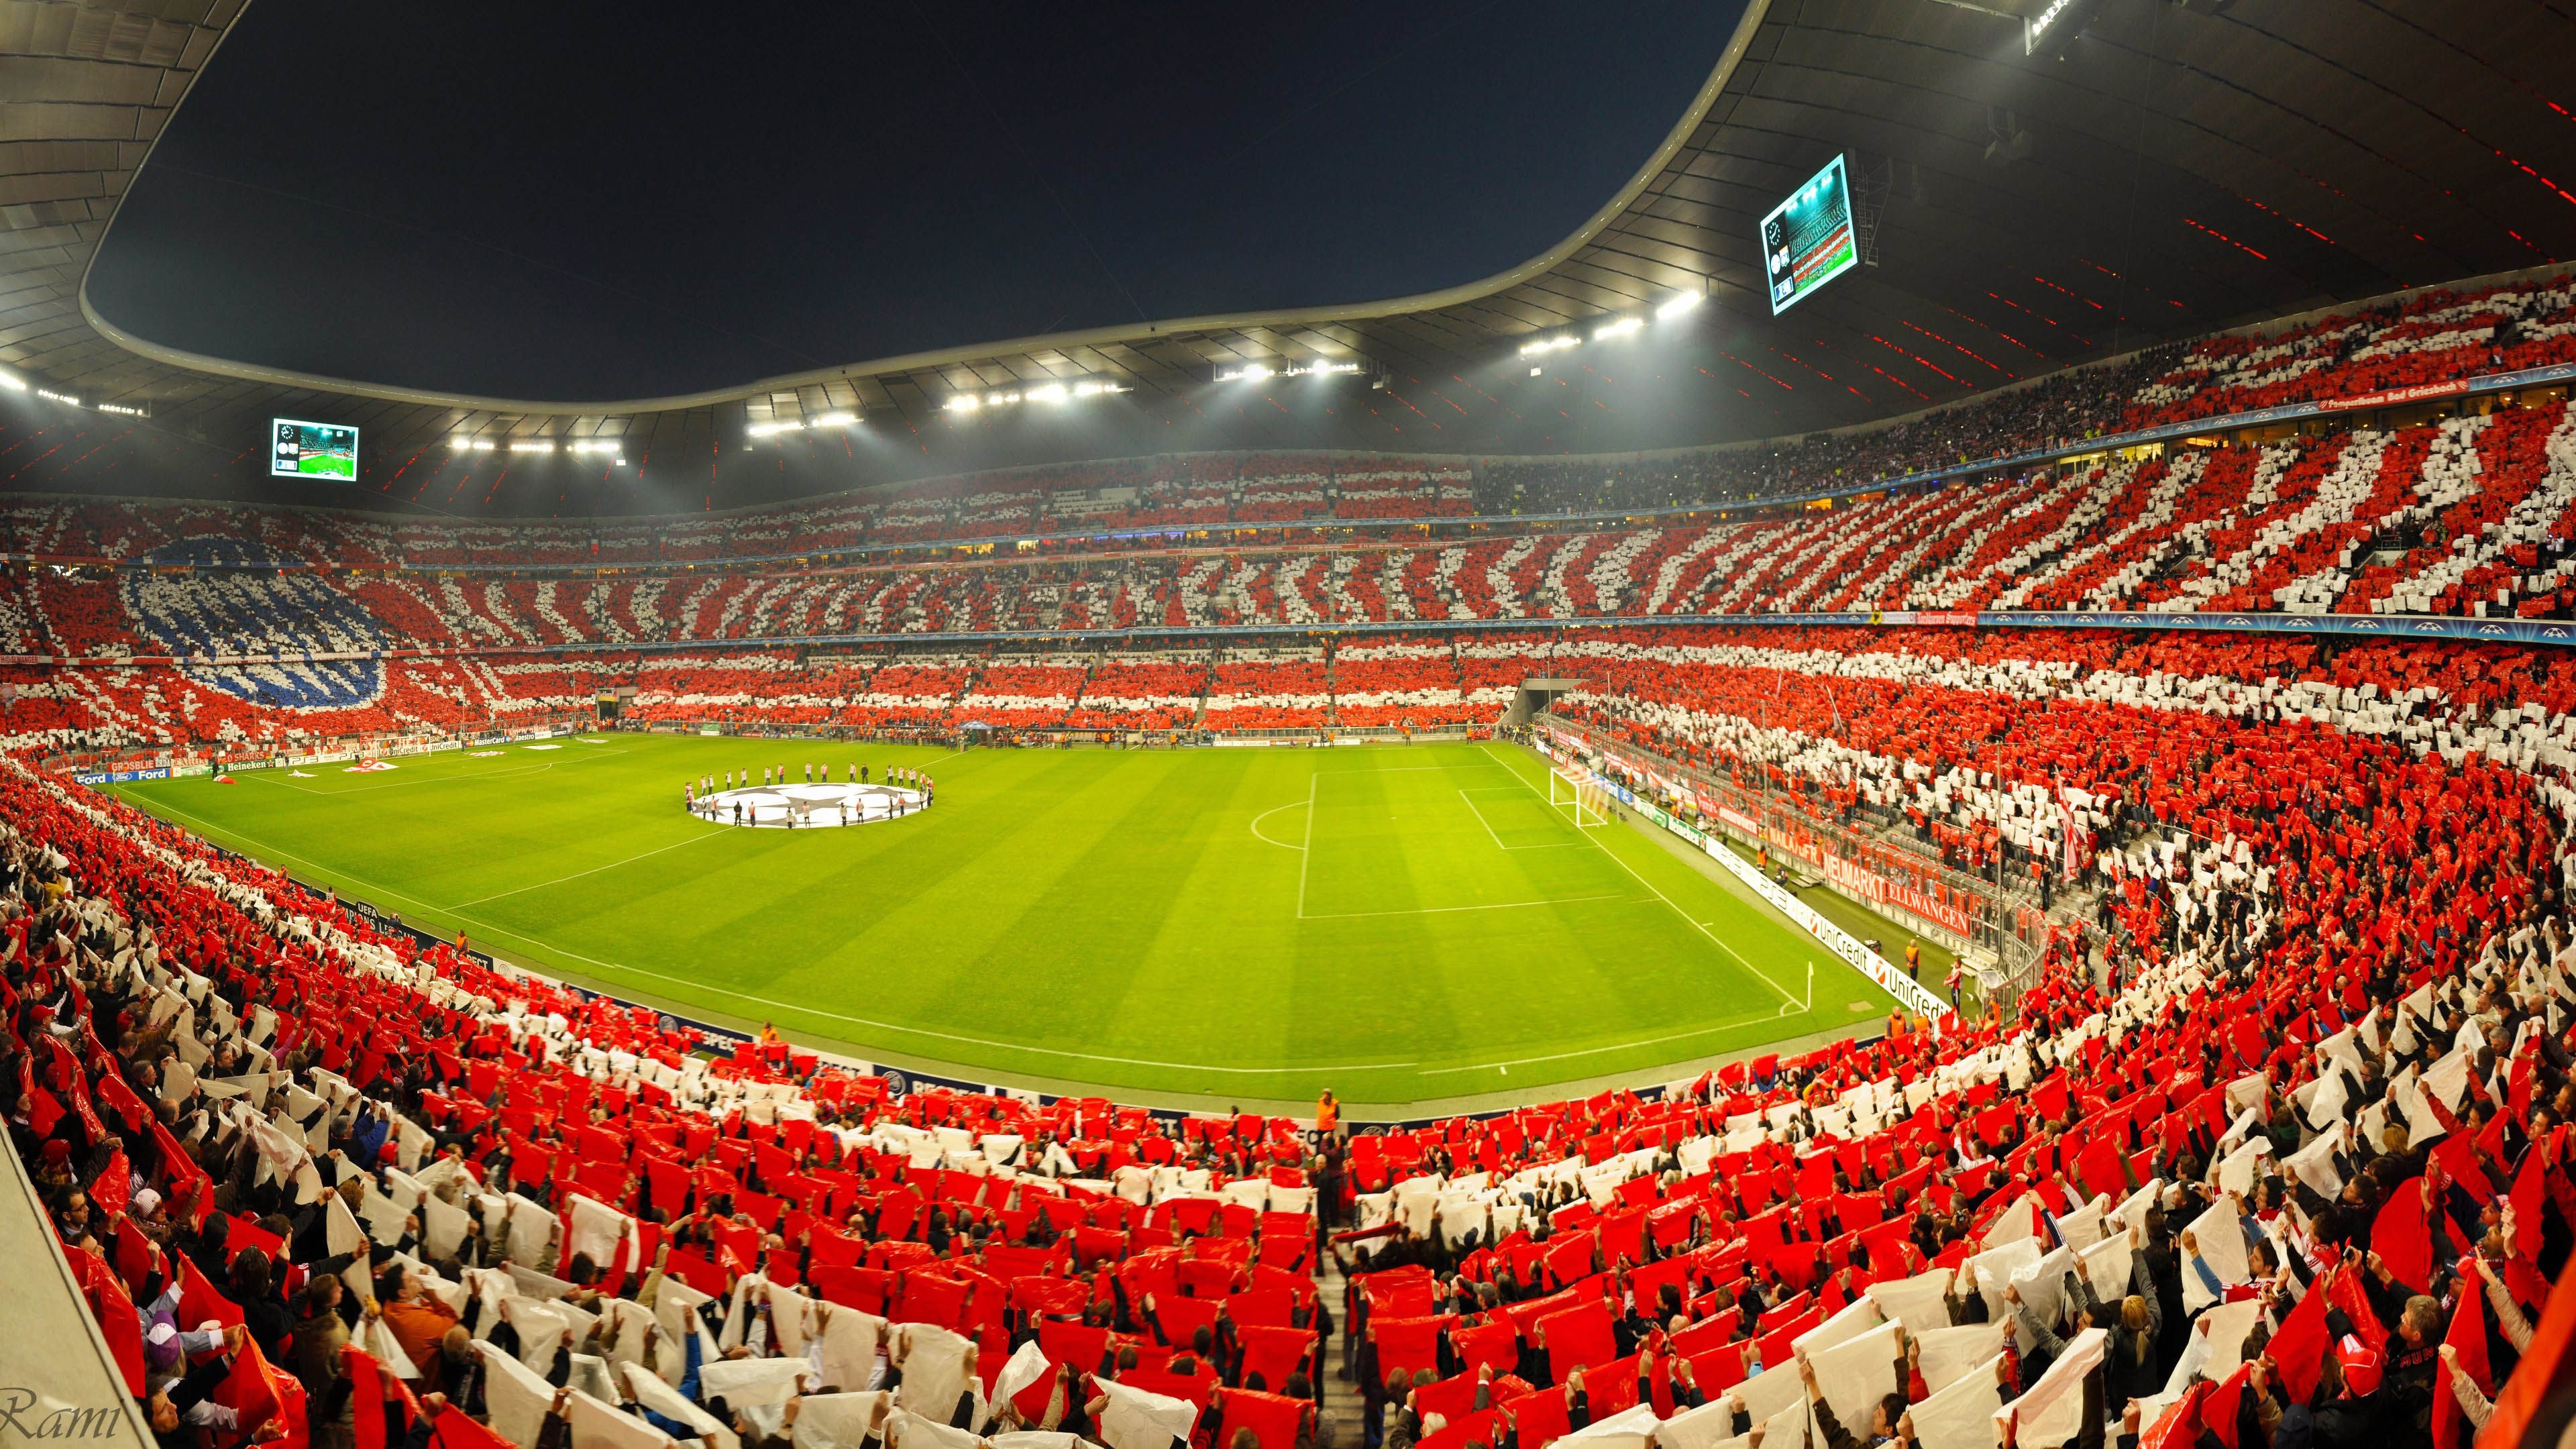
[804,807]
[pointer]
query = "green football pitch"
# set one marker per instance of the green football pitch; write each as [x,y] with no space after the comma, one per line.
[1404,924]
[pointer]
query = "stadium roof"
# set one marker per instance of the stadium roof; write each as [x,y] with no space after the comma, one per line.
[2152,170]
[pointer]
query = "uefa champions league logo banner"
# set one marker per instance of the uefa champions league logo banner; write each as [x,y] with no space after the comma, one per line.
[815,804]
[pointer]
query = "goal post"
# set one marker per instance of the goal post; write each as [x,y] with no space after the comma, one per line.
[1578,800]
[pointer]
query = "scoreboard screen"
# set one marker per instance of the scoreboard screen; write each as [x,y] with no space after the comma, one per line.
[1807,240]
[309,450]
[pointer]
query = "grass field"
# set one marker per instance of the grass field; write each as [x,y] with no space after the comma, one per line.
[1403,923]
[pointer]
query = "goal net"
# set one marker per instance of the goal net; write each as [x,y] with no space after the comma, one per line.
[1579,800]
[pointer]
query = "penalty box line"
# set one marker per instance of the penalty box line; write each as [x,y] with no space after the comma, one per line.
[1447,910]
[1788,1003]
[1306,854]
[1416,769]
[1469,796]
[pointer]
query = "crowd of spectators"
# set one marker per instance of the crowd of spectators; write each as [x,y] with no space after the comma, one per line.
[2470,515]
[1361,681]
[2062,408]
[2434,338]
[2274,1150]
[538,1213]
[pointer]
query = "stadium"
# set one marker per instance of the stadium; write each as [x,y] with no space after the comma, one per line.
[1829,722]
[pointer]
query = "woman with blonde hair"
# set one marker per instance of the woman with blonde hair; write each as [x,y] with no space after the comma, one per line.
[2129,1364]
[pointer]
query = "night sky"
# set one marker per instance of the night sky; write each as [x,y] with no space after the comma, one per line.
[583,202]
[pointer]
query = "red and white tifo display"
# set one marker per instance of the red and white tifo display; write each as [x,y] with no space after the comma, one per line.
[811,806]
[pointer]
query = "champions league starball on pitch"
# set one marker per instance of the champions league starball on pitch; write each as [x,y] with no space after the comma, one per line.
[800,807]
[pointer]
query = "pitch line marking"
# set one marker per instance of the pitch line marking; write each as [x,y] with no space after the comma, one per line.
[1727,1025]
[1489,825]
[787,1006]
[1480,818]
[1266,814]
[791,1006]
[1306,852]
[1447,910]
[594,870]
[1409,769]
[1786,1000]
[1810,1003]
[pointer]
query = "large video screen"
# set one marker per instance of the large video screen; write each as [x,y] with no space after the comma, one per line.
[311,450]
[1807,239]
